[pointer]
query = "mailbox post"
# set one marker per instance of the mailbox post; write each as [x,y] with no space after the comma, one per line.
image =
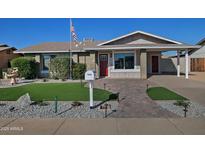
[90,77]
[91,94]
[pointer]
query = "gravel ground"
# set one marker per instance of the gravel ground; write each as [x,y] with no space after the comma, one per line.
[195,110]
[65,109]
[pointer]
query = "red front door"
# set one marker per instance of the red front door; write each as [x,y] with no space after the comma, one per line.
[103,65]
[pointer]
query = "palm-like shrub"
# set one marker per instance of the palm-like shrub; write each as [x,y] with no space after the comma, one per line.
[184,104]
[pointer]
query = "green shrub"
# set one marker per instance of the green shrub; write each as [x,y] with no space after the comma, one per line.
[26,67]
[59,68]
[79,71]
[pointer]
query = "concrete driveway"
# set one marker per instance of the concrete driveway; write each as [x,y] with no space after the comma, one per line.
[134,102]
[191,89]
[197,76]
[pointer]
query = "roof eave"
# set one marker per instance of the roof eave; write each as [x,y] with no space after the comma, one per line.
[143,47]
[145,33]
[201,41]
[36,52]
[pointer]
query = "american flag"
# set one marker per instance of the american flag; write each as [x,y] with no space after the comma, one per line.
[72,30]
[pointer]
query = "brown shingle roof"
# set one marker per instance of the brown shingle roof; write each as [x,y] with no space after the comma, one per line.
[93,45]
[60,46]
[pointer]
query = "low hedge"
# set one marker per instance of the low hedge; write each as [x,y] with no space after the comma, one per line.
[78,71]
[26,67]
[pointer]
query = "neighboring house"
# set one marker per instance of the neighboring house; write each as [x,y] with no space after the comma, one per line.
[135,55]
[6,55]
[198,58]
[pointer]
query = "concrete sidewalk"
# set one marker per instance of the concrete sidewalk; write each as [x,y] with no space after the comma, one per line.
[118,126]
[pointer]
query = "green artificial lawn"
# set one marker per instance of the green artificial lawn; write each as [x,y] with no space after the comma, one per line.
[48,91]
[161,93]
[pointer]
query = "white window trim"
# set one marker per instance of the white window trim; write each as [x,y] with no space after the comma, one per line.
[125,70]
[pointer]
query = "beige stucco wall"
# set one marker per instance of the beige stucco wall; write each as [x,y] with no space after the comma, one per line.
[128,74]
[138,39]
[143,64]
[88,58]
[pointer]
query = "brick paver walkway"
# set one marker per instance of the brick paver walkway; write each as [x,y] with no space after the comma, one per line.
[134,101]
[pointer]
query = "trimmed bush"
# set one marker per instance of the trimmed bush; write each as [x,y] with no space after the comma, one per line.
[79,71]
[59,68]
[26,67]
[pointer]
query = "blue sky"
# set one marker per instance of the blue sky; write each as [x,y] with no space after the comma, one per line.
[25,32]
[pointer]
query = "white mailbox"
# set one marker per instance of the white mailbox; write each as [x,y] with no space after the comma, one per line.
[89,75]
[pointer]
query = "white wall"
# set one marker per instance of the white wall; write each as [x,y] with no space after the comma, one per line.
[170,65]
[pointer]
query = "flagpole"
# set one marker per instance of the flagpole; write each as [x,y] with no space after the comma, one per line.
[70,50]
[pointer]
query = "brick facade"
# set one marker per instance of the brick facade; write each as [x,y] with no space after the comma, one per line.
[6,56]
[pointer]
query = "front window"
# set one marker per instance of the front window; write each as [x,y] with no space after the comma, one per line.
[124,60]
[46,61]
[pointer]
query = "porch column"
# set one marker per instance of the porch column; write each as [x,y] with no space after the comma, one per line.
[178,63]
[187,64]
[143,64]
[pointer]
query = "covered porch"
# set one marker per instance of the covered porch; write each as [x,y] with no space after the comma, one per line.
[138,54]
[138,61]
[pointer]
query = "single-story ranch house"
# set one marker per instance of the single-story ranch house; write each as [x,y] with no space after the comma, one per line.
[135,55]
